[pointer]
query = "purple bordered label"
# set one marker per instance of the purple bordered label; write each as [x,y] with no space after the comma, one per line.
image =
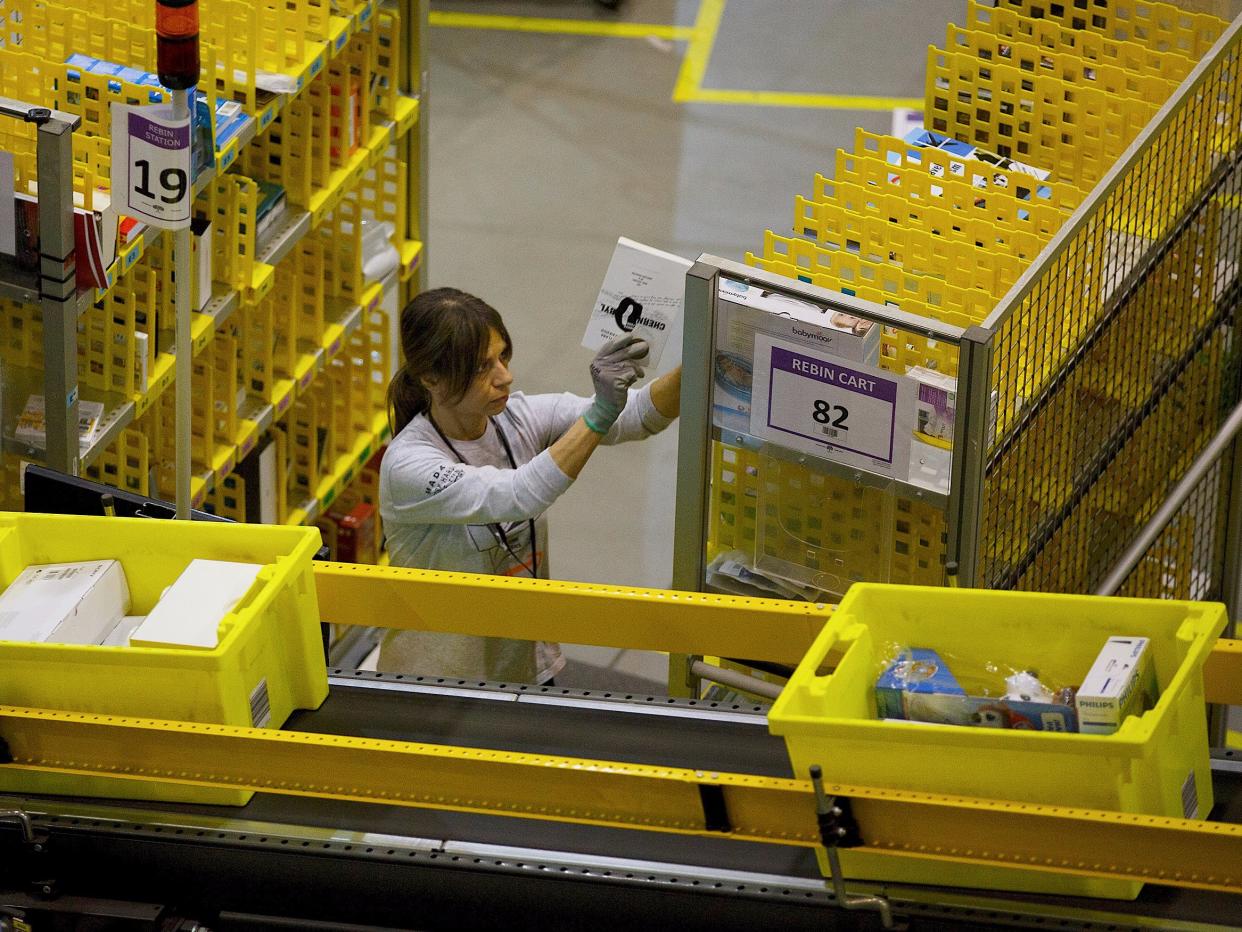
[158,135]
[844,408]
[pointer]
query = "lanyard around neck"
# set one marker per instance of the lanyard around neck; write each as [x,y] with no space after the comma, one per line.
[497,530]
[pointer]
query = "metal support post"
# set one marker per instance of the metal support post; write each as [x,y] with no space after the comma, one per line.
[693,451]
[58,290]
[837,828]
[694,430]
[970,446]
[413,81]
[1231,587]
[183,264]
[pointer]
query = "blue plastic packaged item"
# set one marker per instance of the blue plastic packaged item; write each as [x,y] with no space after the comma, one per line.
[916,670]
[918,686]
[211,132]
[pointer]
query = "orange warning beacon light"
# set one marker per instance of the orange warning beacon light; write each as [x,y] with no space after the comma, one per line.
[176,43]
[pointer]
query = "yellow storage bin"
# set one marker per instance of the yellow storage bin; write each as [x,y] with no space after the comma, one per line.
[1156,763]
[269,660]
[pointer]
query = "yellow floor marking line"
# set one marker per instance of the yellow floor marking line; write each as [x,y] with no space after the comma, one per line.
[689,87]
[572,27]
[791,99]
[703,38]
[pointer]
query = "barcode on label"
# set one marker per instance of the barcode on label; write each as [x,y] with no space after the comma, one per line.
[260,706]
[1190,797]
[829,431]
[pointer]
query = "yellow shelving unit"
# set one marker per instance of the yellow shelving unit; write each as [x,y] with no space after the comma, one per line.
[333,112]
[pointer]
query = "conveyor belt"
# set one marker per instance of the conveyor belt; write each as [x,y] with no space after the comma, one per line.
[570,723]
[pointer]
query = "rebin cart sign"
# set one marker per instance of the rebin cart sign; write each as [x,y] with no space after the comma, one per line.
[847,412]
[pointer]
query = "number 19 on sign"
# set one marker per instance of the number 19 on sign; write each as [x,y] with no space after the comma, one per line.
[151,165]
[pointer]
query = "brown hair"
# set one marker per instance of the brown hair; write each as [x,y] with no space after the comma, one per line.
[444,336]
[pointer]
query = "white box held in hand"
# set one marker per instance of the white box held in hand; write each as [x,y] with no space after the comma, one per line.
[643,293]
[189,612]
[64,603]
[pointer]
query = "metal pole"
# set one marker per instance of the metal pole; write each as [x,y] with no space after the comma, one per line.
[418,157]
[735,679]
[694,429]
[58,291]
[1151,531]
[693,452]
[1231,584]
[182,270]
[970,450]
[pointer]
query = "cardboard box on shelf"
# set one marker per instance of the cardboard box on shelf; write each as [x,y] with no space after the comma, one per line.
[355,535]
[32,425]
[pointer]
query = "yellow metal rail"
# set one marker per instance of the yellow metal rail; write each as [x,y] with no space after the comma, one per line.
[751,808]
[577,613]
[612,616]
[1222,674]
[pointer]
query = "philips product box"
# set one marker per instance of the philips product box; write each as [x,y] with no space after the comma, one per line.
[64,603]
[189,612]
[1121,682]
[917,670]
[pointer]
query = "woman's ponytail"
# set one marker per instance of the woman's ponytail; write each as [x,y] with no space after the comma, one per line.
[406,399]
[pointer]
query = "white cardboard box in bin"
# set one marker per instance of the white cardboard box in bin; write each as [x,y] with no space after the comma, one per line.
[189,612]
[64,603]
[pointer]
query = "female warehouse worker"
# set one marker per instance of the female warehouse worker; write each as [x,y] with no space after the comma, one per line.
[472,467]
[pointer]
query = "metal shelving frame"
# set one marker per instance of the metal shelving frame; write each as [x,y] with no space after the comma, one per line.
[56,290]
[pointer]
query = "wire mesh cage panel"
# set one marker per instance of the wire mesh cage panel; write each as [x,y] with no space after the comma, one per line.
[1182,562]
[1115,361]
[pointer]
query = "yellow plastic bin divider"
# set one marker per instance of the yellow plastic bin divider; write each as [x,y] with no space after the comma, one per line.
[943,163]
[1072,67]
[1091,46]
[125,463]
[1073,130]
[269,660]
[1160,26]
[1153,764]
[870,173]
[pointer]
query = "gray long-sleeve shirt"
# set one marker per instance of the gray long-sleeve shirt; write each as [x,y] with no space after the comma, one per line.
[436,511]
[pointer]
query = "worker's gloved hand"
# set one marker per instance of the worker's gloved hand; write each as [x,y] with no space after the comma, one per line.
[613,370]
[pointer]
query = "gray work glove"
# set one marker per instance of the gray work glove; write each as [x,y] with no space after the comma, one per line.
[613,370]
